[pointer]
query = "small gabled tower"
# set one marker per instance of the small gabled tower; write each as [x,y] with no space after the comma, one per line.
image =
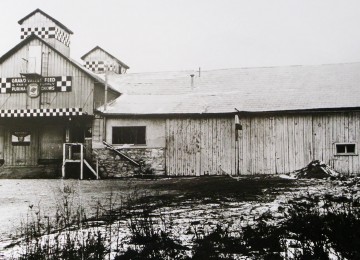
[98,60]
[48,29]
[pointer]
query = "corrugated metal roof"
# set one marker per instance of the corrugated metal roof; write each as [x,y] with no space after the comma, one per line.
[247,89]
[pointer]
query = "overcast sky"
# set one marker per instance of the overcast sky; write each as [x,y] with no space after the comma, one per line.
[168,35]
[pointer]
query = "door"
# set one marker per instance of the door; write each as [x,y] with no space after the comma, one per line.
[21,146]
[51,141]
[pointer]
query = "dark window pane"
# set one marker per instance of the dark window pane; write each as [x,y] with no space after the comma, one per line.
[350,148]
[340,148]
[129,135]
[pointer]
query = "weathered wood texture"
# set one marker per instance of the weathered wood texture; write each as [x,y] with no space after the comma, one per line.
[197,146]
[82,94]
[51,139]
[1,142]
[21,155]
[47,138]
[284,143]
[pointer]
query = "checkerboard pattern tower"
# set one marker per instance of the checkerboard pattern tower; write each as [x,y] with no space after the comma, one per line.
[48,29]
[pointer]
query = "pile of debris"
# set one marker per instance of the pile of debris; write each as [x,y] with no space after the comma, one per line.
[314,170]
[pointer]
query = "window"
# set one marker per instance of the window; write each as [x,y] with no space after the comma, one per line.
[129,135]
[345,149]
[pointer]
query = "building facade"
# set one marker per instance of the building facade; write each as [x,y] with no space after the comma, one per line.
[187,123]
[239,121]
[46,98]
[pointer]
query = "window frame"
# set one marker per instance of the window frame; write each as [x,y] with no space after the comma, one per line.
[346,153]
[134,144]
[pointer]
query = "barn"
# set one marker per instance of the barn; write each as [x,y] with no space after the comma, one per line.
[270,120]
[46,98]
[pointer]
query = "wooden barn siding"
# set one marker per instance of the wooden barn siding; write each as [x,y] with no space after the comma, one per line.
[51,141]
[21,155]
[284,143]
[82,85]
[46,142]
[197,146]
[1,142]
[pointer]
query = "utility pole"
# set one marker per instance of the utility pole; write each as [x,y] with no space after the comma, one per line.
[106,89]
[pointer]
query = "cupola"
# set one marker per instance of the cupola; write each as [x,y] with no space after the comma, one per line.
[48,29]
[98,60]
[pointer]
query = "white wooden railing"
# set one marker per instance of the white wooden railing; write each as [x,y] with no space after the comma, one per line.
[69,156]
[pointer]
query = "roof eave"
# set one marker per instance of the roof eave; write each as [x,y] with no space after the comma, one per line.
[112,56]
[48,16]
[313,110]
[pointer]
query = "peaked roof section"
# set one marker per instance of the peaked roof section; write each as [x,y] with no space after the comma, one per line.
[99,48]
[46,15]
[73,62]
[267,89]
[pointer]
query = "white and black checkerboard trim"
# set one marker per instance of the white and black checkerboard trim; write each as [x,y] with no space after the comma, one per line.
[41,112]
[42,32]
[46,33]
[99,66]
[62,36]
[5,85]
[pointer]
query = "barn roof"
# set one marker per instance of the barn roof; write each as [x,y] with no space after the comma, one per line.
[99,48]
[21,21]
[290,88]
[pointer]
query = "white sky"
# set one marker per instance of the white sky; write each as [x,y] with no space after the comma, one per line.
[166,35]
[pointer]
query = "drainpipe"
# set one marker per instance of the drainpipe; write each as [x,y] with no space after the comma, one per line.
[105,105]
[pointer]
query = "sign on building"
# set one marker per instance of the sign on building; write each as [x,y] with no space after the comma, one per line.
[45,84]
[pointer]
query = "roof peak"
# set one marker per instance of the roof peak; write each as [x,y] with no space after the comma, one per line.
[98,47]
[21,21]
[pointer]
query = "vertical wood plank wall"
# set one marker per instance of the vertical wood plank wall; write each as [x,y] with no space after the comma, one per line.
[273,144]
[21,155]
[197,146]
[284,143]
[50,141]
[2,142]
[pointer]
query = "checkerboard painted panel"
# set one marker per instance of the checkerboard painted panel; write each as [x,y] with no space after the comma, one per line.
[42,32]
[46,33]
[62,36]
[63,83]
[96,66]
[41,112]
[100,66]
[5,85]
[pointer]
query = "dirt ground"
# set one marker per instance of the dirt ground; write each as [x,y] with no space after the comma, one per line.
[18,196]
[189,200]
